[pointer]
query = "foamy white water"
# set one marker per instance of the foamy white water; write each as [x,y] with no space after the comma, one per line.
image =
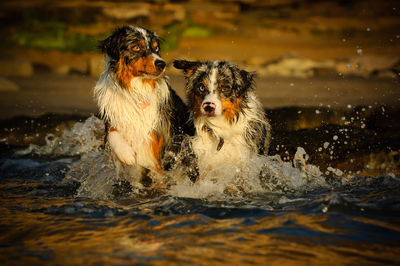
[97,172]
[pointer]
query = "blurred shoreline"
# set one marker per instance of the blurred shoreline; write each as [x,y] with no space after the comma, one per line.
[73,94]
[280,38]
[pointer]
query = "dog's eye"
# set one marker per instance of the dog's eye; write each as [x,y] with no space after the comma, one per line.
[136,48]
[226,89]
[202,88]
[156,47]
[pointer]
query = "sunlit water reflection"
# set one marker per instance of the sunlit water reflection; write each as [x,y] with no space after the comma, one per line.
[58,206]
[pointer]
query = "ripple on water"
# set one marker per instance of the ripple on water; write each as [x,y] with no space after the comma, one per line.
[57,206]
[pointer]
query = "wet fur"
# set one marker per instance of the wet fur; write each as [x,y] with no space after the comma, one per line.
[237,128]
[142,113]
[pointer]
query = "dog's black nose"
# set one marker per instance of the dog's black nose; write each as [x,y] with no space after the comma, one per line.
[209,107]
[160,64]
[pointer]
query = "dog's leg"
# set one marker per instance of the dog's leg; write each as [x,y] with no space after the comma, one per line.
[148,179]
[121,148]
[189,161]
[144,176]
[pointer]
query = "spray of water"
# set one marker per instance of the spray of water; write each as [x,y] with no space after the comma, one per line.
[99,173]
[80,140]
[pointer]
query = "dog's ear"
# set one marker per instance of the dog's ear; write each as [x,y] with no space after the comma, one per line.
[247,78]
[110,46]
[188,67]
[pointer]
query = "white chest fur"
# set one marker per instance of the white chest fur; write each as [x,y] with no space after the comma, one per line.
[134,113]
[234,151]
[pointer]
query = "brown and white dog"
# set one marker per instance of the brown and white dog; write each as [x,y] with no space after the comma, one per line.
[230,123]
[141,111]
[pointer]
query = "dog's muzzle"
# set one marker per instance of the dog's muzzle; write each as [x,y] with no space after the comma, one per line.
[209,108]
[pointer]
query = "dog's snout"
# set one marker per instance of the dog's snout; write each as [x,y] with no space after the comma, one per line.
[209,107]
[160,64]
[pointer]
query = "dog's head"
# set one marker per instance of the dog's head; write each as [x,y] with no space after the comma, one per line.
[215,88]
[133,52]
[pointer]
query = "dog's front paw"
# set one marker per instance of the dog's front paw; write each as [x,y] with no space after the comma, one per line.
[126,155]
[121,148]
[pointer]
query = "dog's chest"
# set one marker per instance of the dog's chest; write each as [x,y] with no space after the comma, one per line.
[234,150]
[136,123]
[135,114]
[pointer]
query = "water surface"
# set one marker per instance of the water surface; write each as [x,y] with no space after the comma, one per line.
[59,206]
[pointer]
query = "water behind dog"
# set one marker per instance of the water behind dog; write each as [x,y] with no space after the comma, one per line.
[66,202]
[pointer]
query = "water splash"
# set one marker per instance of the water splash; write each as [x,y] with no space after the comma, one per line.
[260,174]
[96,176]
[99,173]
[80,140]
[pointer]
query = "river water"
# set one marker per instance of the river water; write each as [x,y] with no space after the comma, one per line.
[64,202]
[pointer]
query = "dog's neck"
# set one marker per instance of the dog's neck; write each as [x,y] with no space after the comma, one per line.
[217,133]
[219,127]
[218,142]
[134,111]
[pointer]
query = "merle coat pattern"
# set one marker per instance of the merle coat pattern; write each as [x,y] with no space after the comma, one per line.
[143,114]
[229,119]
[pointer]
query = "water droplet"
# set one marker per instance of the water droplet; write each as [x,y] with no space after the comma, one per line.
[335,137]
